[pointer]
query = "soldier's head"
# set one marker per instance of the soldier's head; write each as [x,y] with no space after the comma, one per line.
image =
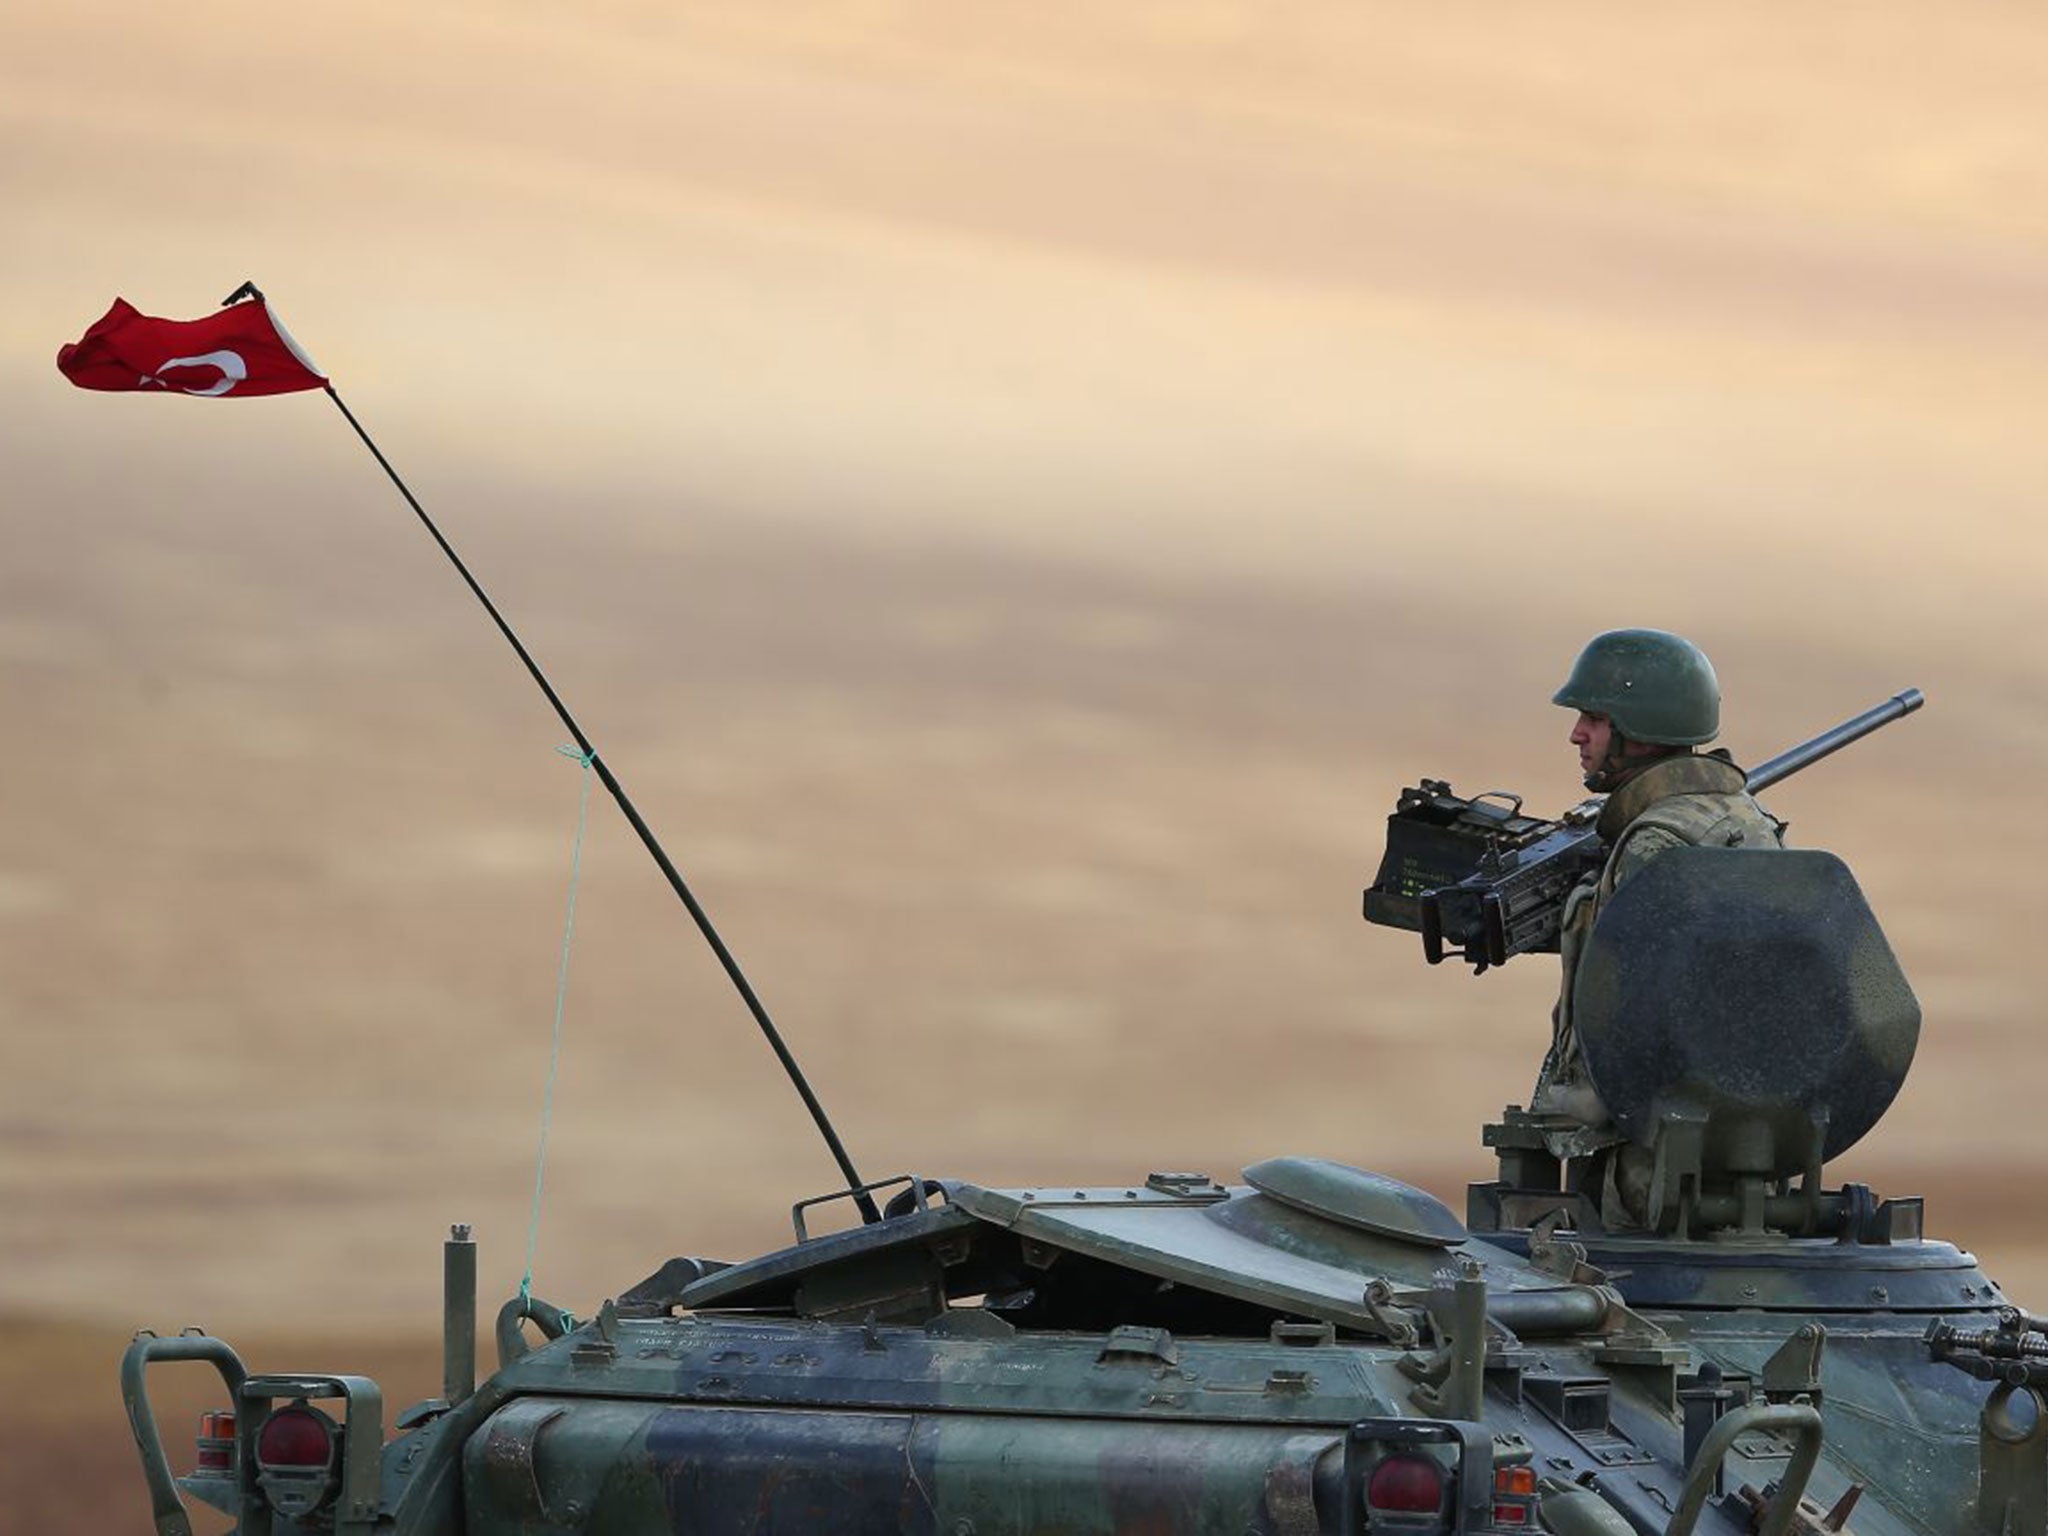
[1641,694]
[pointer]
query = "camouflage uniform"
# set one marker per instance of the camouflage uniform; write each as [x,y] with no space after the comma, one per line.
[1688,799]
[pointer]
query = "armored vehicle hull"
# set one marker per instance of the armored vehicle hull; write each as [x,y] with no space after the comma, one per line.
[1318,1350]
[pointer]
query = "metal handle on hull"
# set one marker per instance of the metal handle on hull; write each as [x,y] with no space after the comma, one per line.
[552,1321]
[1801,1419]
[167,1507]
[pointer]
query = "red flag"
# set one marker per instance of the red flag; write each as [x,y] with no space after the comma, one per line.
[242,350]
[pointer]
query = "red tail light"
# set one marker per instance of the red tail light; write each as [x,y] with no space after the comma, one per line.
[297,1436]
[1406,1484]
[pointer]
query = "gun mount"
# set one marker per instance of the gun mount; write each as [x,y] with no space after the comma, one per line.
[1743,1015]
[1744,1021]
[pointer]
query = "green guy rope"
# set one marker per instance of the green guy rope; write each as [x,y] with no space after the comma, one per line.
[547,1098]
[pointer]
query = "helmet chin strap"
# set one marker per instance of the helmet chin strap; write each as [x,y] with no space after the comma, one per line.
[1617,768]
[1603,779]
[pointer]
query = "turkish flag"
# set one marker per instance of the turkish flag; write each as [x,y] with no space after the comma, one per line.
[242,350]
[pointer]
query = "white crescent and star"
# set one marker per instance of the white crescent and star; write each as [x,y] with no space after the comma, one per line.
[233,370]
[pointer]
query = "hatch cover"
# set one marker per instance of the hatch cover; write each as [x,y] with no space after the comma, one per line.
[1371,1202]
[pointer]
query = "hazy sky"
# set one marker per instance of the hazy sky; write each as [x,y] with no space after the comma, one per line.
[1018,489]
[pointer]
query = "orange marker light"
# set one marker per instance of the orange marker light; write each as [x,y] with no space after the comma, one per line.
[216,1442]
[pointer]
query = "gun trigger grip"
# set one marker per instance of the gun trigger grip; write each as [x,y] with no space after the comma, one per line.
[1493,929]
[1432,928]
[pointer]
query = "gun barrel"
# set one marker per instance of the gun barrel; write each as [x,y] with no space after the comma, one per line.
[1807,753]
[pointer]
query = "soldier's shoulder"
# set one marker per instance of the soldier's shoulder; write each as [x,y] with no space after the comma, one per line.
[1642,842]
[1694,820]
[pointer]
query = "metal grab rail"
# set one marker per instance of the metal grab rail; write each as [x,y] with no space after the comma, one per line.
[167,1504]
[1801,1418]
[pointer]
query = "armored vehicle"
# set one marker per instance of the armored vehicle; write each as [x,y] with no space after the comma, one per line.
[1673,1326]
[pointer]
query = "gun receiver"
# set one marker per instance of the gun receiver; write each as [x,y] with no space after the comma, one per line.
[1479,878]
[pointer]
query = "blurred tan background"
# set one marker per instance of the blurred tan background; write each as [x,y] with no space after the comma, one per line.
[1015,491]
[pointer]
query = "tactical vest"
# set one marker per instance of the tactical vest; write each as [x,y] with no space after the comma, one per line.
[1696,800]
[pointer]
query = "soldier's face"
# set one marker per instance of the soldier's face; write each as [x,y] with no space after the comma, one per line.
[1593,735]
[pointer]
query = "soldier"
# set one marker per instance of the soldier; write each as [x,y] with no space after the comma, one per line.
[1645,700]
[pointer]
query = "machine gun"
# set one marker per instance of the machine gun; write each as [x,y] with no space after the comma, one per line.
[1479,878]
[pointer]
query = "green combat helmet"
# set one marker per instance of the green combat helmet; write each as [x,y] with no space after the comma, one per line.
[1655,686]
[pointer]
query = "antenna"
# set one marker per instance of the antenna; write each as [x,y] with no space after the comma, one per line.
[868,1210]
